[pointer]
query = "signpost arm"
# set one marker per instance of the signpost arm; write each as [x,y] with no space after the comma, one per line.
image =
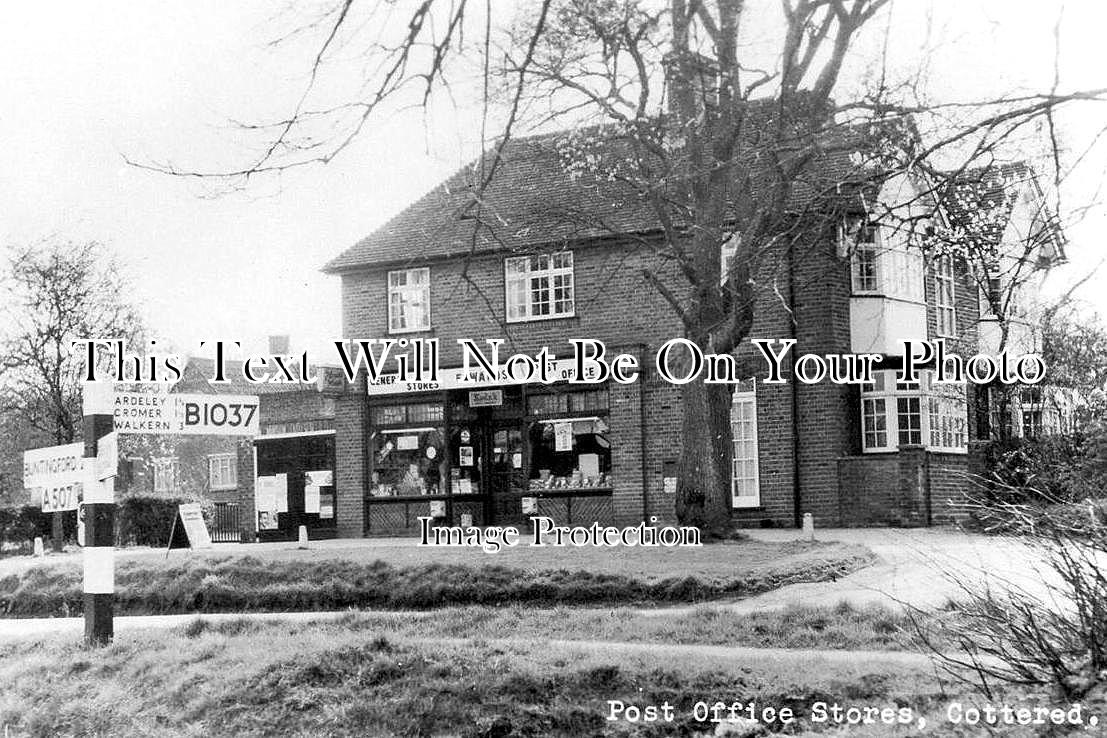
[99,506]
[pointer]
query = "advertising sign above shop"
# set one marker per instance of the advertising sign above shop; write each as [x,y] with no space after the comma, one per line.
[562,370]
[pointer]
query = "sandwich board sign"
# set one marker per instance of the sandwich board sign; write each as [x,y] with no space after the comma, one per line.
[189,529]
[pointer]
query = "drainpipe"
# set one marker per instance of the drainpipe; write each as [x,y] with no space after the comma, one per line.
[797,514]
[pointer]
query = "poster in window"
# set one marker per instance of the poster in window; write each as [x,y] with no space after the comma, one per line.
[530,505]
[438,508]
[265,498]
[311,499]
[407,443]
[465,455]
[324,478]
[280,489]
[267,520]
[590,465]
[326,503]
[563,436]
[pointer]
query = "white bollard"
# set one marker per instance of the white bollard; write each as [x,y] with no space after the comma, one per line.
[303,536]
[808,526]
[40,550]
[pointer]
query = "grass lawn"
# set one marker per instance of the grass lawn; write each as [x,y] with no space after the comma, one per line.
[405,576]
[364,676]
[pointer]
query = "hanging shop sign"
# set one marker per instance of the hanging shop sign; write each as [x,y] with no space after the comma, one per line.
[55,476]
[186,414]
[486,398]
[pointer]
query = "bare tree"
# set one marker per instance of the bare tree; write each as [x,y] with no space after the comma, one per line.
[58,292]
[729,154]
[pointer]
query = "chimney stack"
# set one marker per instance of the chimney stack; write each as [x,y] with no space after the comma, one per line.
[278,345]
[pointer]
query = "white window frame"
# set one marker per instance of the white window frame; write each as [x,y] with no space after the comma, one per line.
[222,472]
[540,275]
[879,266]
[923,413]
[745,481]
[166,472]
[945,297]
[406,296]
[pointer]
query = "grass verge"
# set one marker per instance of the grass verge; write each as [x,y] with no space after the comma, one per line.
[251,584]
[248,678]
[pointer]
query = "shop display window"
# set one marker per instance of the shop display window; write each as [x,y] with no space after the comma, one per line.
[408,462]
[569,453]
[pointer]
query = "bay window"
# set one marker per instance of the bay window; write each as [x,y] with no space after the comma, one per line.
[882,262]
[923,413]
[539,287]
[945,300]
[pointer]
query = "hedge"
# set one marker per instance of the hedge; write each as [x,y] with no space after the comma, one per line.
[139,521]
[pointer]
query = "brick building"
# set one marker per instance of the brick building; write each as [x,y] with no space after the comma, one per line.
[294,451]
[495,452]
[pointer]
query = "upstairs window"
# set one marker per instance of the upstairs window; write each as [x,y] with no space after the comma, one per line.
[409,300]
[539,287]
[945,297]
[881,262]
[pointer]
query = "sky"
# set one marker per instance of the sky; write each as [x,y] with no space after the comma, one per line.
[86,85]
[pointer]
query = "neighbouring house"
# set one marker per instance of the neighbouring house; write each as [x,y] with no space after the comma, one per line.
[293,456]
[497,451]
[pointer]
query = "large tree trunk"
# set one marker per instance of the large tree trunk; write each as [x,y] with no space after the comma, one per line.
[703,483]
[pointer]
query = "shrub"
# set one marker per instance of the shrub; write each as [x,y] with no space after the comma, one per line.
[145,521]
[20,525]
[1056,636]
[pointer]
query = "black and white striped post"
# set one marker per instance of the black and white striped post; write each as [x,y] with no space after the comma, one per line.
[99,509]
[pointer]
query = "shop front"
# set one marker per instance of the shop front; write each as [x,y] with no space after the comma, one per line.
[489,456]
[295,485]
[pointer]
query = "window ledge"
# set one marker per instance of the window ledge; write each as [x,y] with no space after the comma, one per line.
[538,318]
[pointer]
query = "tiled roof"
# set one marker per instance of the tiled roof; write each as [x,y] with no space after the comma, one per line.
[236,383]
[531,200]
[542,195]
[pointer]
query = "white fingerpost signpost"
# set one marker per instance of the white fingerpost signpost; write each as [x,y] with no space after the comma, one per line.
[101,459]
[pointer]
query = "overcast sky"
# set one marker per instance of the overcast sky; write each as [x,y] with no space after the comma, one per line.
[85,83]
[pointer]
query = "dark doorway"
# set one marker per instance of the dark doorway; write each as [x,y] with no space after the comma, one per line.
[303,467]
[505,479]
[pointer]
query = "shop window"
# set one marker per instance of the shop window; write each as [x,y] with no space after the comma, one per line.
[166,470]
[919,413]
[408,462]
[409,300]
[569,453]
[745,486]
[222,471]
[539,287]
[421,412]
[555,403]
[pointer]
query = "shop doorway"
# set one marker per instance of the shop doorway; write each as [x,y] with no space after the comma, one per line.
[506,477]
[295,486]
